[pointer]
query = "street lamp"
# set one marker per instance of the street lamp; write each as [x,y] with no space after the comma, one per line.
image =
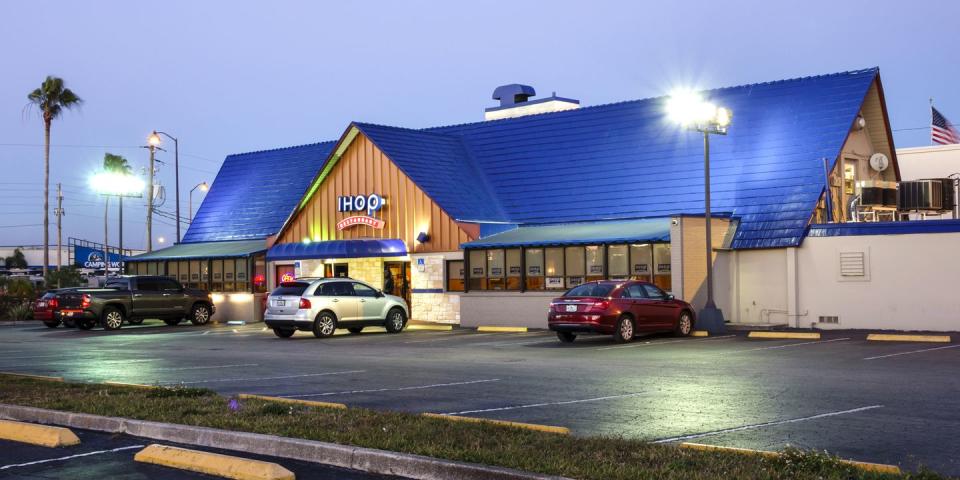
[155,140]
[153,143]
[118,185]
[692,111]
[203,188]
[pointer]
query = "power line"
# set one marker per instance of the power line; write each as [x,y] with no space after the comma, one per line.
[64,145]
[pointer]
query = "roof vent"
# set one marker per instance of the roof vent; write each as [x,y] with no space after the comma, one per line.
[515,102]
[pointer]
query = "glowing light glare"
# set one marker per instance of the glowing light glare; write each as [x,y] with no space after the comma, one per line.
[306,240]
[154,140]
[204,187]
[112,183]
[687,107]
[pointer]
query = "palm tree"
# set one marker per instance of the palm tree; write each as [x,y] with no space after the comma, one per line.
[51,99]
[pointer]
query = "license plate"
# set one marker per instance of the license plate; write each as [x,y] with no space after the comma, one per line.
[571,308]
[280,303]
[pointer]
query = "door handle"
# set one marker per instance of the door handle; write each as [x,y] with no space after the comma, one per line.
[137,294]
[334,300]
[363,300]
[166,294]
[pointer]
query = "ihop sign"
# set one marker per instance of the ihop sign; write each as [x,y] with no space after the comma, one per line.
[367,204]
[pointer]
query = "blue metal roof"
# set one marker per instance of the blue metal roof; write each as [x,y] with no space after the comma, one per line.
[255,192]
[884,228]
[620,231]
[624,160]
[186,251]
[367,247]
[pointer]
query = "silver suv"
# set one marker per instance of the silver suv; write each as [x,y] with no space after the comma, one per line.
[326,304]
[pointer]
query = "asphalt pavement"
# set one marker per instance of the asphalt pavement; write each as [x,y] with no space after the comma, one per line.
[102,455]
[882,402]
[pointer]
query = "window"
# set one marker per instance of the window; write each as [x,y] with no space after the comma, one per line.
[336,289]
[576,266]
[151,268]
[478,270]
[654,292]
[594,263]
[513,269]
[496,269]
[362,290]
[534,262]
[455,276]
[148,284]
[849,176]
[195,274]
[641,261]
[618,262]
[259,274]
[229,271]
[242,283]
[635,290]
[183,268]
[217,275]
[661,256]
[290,289]
[172,269]
[169,285]
[554,265]
[590,290]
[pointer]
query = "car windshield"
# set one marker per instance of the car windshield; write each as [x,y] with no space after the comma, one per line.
[590,290]
[292,289]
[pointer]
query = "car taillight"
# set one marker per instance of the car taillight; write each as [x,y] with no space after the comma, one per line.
[53,303]
[599,306]
[85,301]
[304,303]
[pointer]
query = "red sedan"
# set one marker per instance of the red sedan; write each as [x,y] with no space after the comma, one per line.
[623,309]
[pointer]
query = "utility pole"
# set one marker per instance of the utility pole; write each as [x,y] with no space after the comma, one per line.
[150,201]
[59,213]
[121,265]
[106,239]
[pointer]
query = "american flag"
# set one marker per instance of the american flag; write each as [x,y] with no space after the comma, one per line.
[941,130]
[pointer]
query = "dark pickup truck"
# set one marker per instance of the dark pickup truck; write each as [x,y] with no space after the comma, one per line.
[132,299]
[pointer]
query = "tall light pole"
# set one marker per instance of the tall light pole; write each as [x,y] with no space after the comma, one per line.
[155,136]
[690,110]
[203,188]
[117,185]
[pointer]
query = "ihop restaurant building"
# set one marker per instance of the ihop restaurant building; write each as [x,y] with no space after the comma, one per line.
[485,222]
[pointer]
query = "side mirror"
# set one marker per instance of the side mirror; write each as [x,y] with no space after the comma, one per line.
[380,294]
[670,296]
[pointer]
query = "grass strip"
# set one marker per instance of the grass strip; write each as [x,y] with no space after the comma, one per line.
[588,458]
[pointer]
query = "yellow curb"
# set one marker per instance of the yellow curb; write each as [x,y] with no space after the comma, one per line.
[866,466]
[134,385]
[306,403]
[889,337]
[491,328]
[35,377]
[793,335]
[43,435]
[528,426]
[434,328]
[699,333]
[212,463]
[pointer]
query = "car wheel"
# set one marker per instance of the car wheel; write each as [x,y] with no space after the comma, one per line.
[86,323]
[172,321]
[684,325]
[324,325]
[52,324]
[396,320]
[200,314]
[135,321]
[283,332]
[112,318]
[567,337]
[355,330]
[624,331]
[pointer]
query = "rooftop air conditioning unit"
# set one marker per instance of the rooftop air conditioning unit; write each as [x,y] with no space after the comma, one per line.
[928,195]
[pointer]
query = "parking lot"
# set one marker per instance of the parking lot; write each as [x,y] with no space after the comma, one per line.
[871,401]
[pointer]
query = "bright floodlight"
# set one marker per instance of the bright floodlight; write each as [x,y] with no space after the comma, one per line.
[688,108]
[112,183]
[204,187]
[154,139]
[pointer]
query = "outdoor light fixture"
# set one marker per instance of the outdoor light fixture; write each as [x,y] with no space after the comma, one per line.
[306,240]
[161,240]
[112,183]
[423,237]
[203,187]
[153,140]
[690,110]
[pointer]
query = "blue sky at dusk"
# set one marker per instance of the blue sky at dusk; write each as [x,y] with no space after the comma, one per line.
[237,76]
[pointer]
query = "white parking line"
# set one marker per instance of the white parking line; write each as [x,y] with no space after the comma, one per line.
[652,343]
[522,343]
[62,459]
[545,404]
[766,424]
[911,352]
[417,387]
[345,372]
[786,346]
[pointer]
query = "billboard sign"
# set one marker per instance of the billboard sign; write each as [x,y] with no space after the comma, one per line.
[87,257]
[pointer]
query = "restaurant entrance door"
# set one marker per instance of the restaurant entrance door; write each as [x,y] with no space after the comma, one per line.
[396,280]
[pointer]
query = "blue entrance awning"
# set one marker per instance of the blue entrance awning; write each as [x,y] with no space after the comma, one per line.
[614,231]
[367,247]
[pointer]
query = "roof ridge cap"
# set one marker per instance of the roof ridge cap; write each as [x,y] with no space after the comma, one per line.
[282,148]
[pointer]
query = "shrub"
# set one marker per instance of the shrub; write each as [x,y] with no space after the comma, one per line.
[20,288]
[64,277]
[20,311]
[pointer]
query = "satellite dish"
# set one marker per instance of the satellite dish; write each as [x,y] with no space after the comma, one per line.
[879,162]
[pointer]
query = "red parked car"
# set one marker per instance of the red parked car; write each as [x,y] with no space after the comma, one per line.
[623,309]
[44,307]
